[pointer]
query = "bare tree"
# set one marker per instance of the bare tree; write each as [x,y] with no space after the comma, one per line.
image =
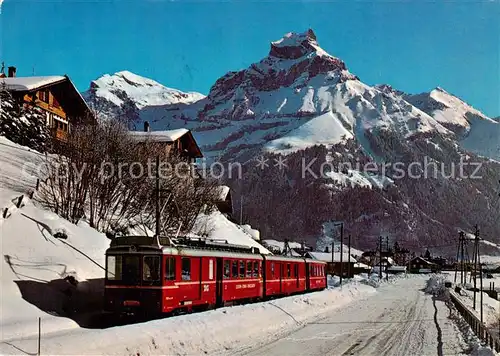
[108,178]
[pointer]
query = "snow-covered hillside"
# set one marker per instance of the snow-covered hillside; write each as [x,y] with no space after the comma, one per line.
[476,132]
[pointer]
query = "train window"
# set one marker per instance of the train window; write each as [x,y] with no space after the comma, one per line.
[170,269]
[272,269]
[227,269]
[114,268]
[242,269]
[296,270]
[211,269]
[151,268]
[235,269]
[249,269]
[186,269]
[313,271]
[288,272]
[255,269]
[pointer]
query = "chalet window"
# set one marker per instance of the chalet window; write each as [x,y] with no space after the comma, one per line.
[186,269]
[288,272]
[249,269]
[151,268]
[227,269]
[170,269]
[255,269]
[242,269]
[235,269]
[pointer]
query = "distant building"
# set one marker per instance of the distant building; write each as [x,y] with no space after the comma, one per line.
[421,265]
[334,265]
[55,95]
[179,141]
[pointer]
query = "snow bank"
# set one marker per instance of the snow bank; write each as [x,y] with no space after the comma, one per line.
[35,265]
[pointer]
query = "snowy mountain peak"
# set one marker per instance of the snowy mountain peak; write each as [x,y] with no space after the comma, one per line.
[115,90]
[295,45]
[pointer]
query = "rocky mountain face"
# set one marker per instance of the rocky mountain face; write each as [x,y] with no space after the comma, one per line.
[301,106]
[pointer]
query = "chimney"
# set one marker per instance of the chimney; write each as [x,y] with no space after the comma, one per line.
[12,72]
[147,128]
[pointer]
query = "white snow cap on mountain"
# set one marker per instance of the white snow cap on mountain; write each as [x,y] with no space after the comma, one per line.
[142,91]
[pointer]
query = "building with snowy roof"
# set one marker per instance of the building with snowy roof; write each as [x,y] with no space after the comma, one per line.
[179,141]
[337,263]
[56,96]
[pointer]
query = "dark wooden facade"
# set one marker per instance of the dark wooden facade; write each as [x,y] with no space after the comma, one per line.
[58,98]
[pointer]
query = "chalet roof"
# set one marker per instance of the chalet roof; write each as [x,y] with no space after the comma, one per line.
[327,257]
[159,136]
[168,137]
[422,259]
[29,83]
[60,83]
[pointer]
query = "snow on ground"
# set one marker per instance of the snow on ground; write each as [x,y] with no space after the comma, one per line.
[19,170]
[222,330]
[400,319]
[34,267]
[325,129]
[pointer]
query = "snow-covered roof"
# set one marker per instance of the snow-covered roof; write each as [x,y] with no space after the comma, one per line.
[280,244]
[159,136]
[29,83]
[327,257]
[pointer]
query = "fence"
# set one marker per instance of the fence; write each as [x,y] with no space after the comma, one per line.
[479,328]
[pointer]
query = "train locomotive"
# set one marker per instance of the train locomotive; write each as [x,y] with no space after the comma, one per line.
[154,276]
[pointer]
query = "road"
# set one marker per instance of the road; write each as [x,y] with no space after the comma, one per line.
[399,320]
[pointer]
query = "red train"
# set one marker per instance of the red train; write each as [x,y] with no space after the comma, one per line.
[144,275]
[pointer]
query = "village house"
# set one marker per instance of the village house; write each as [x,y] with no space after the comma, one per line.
[179,141]
[421,265]
[57,96]
[334,264]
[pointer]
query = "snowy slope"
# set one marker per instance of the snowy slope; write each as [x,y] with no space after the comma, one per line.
[476,132]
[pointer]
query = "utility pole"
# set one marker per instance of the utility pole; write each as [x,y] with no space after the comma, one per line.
[157,197]
[241,210]
[341,252]
[387,250]
[380,258]
[349,261]
[333,259]
[476,252]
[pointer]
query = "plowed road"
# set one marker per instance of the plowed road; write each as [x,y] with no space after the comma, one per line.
[399,320]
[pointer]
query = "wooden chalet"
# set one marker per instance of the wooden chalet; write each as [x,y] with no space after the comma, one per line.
[179,141]
[421,265]
[57,96]
[334,266]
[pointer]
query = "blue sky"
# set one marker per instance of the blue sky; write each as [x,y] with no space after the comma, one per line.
[412,45]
